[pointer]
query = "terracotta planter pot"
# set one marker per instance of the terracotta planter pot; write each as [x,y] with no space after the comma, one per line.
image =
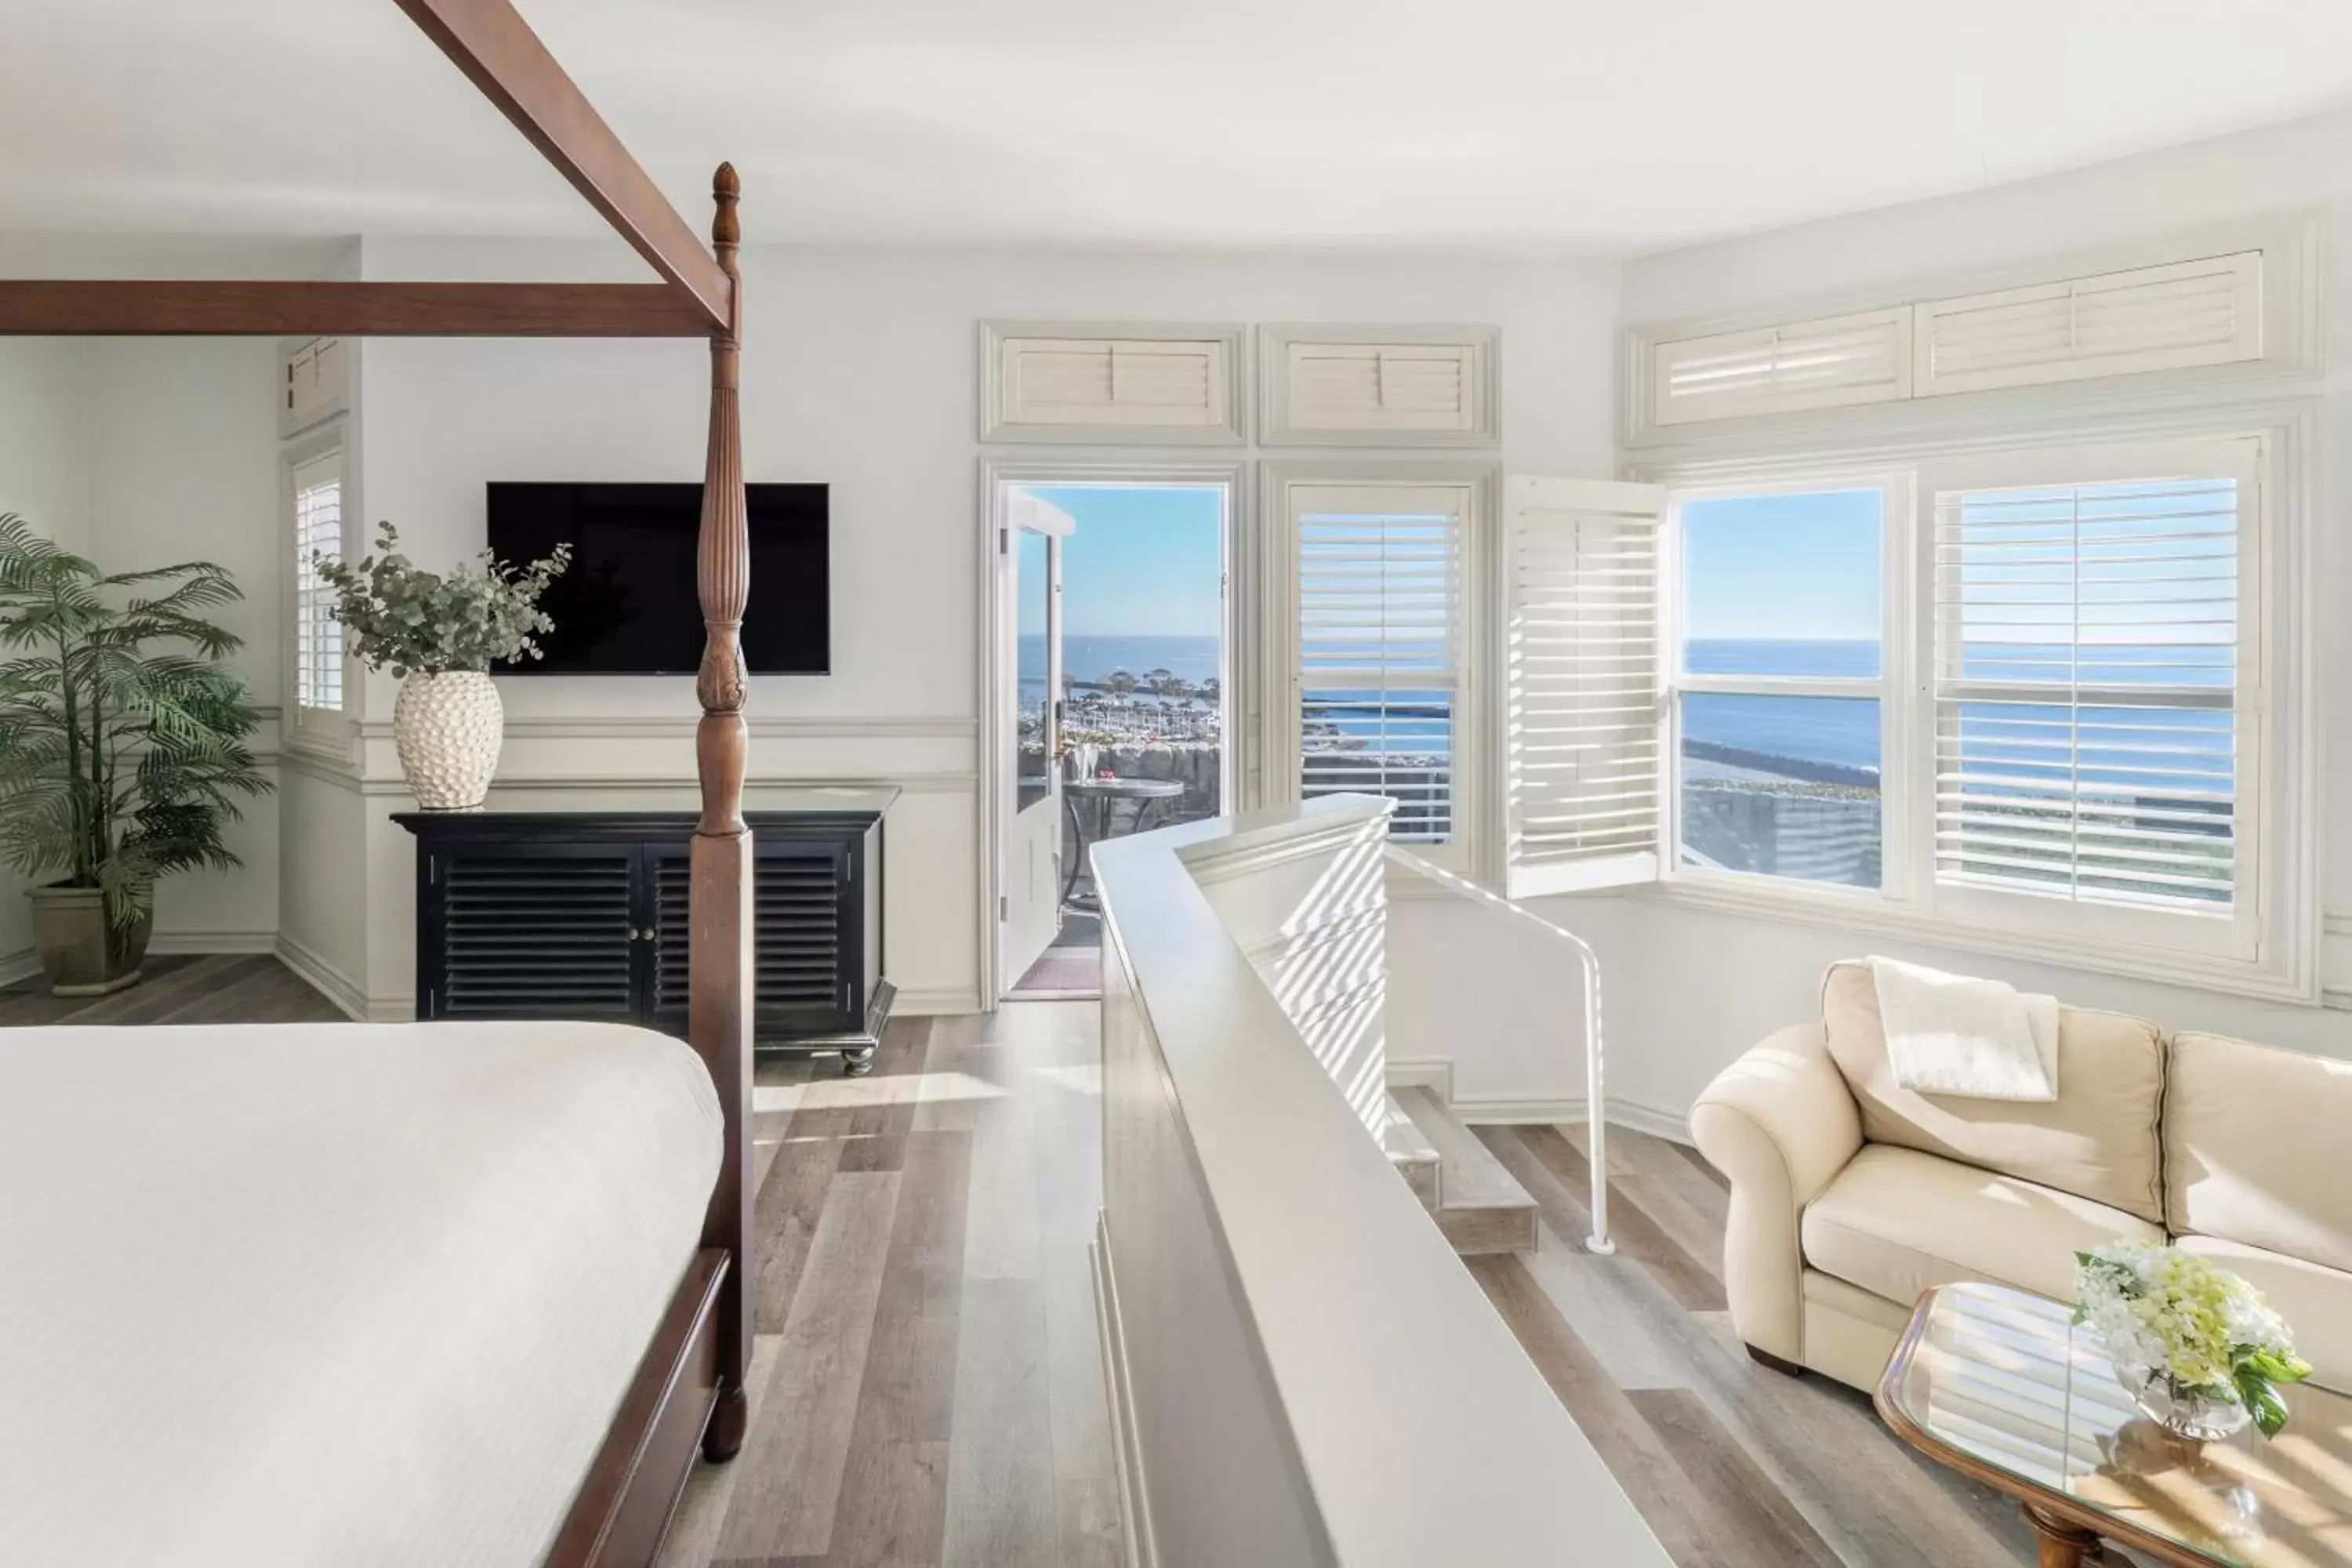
[447,728]
[81,952]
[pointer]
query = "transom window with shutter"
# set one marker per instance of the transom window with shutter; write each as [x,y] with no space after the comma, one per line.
[2205,309]
[1829,363]
[317,492]
[1042,383]
[2092,687]
[1380,638]
[2188,314]
[1397,386]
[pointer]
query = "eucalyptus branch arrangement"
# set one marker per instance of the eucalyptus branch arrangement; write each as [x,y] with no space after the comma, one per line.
[416,622]
[122,738]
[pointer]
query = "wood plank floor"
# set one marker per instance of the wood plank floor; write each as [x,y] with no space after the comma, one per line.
[1734,1466]
[926,1389]
[181,988]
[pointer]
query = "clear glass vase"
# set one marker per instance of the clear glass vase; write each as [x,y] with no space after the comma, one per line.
[2189,1412]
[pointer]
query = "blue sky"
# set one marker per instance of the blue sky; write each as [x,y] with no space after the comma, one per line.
[1142,562]
[1783,566]
[1146,563]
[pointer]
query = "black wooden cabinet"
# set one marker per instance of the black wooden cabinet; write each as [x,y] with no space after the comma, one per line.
[578,915]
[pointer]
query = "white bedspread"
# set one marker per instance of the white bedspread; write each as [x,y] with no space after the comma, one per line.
[328,1294]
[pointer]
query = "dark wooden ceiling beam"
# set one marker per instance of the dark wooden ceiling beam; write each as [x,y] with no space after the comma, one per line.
[274,307]
[497,49]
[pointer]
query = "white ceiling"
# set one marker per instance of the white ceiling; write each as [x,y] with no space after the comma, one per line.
[1516,126]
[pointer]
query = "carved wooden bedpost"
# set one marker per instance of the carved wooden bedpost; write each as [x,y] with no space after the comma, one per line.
[722,972]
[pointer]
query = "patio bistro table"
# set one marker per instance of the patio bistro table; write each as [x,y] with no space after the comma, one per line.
[1105,795]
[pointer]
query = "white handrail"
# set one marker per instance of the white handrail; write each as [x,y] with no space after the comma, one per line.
[1596,1124]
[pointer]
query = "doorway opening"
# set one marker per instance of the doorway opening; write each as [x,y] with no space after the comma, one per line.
[1115,684]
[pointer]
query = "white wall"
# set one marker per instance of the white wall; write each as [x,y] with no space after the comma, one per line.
[1691,989]
[183,465]
[859,372]
[139,452]
[44,474]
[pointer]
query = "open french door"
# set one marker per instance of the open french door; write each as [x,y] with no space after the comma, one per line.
[1031,885]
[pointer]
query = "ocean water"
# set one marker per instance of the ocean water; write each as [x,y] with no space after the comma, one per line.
[1835,737]
[1831,737]
[1090,659]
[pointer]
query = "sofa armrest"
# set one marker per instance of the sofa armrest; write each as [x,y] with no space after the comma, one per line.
[1779,1122]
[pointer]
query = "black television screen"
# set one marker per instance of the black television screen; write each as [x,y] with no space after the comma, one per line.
[627,604]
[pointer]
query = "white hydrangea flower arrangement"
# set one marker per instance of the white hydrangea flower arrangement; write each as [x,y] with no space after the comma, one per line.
[2175,1325]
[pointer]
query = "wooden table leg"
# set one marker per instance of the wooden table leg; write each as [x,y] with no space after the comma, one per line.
[2064,1545]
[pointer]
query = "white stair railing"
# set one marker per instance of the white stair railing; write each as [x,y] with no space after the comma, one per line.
[1596,1124]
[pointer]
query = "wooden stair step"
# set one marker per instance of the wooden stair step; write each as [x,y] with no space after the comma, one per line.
[1478,1205]
[1411,1152]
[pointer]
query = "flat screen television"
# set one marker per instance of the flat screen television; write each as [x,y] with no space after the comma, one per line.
[626,605]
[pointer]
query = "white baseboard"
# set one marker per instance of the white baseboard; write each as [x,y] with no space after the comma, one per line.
[323,977]
[1435,1074]
[27,962]
[924,1001]
[207,942]
[1134,1498]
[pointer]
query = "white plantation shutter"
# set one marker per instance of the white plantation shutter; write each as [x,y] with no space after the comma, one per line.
[2093,685]
[1113,382]
[318,636]
[1380,647]
[1826,363]
[1382,386]
[317,377]
[1584,775]
[2200,312]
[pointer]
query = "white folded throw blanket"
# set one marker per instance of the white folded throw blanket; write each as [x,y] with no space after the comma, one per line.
[1974,1039]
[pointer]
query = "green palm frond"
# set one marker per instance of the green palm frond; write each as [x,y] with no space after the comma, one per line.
[122,738]
[200,570]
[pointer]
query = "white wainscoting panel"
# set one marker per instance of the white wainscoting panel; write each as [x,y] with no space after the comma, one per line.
[2335,958]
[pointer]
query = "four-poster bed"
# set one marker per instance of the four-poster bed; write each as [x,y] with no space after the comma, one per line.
[688,1390]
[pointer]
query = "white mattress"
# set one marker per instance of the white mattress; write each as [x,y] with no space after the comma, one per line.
[329,1294]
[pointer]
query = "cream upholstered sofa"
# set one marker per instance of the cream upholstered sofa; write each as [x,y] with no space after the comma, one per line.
[1850,1196]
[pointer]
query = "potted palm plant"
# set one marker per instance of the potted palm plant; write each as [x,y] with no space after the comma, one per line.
[122,746]
[440,634]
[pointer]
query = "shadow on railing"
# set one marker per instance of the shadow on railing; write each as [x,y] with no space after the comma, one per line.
[1596,1135]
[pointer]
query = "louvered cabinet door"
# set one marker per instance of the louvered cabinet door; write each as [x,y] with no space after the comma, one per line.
[533,930]
[804,937]
[806,933]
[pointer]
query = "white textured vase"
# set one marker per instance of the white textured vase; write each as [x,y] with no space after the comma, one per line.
[447,728]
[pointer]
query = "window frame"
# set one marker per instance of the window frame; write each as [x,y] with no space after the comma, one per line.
[1229,384]
[2237,936]
[1895,754]
[2280,958]
[323,731]
[1474,849]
